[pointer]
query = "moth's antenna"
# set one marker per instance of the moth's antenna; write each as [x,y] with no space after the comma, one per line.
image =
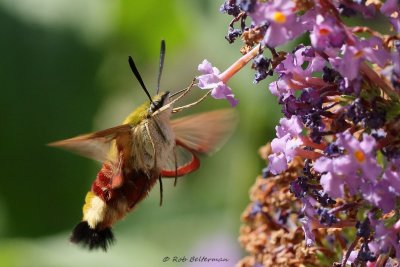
[161,66]
[138,77]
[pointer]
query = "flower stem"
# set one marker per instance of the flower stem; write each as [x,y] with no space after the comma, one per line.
[381,261]
[308,142]
[343,207]
[239,64]
[351,248]
[308,154]
[376,79]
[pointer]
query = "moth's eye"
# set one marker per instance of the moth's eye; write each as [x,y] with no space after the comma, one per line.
[155,105]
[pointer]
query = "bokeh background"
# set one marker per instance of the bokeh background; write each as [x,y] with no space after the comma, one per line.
[64,72]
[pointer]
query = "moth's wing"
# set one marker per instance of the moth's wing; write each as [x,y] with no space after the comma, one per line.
[206,132]
[181,162]
[202,133]
[94,145]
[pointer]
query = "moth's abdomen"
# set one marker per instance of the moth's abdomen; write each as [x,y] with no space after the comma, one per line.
[137,186]
[101,187]
[91,238]
[104,205]
[94,231]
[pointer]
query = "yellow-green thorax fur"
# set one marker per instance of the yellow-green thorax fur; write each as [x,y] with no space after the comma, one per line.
[151,140]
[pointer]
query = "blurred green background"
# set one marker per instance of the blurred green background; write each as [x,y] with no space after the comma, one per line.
[64,72]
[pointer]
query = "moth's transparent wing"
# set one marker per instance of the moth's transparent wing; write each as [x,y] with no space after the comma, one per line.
[181,162]
[206,132]
[202,133]
[94,145]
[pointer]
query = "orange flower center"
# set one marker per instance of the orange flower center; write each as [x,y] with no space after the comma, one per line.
[359,54]
[324,31]
[359,155]
[279,17]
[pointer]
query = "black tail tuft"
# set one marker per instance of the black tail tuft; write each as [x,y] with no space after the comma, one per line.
[92,238]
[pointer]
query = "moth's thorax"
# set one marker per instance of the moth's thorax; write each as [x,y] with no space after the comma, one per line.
[152,142]
[151,139]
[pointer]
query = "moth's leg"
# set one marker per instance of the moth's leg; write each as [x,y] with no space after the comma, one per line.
[161,189]
[185,91]
[176,167]
[178,109]
[152,144]
[117,178]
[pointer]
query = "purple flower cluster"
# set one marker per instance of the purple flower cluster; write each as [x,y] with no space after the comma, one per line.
[340,98]
[285,145]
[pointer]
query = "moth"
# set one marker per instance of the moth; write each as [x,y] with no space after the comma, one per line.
[148,147]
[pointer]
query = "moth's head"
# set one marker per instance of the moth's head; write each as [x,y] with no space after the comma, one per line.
[159,101]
